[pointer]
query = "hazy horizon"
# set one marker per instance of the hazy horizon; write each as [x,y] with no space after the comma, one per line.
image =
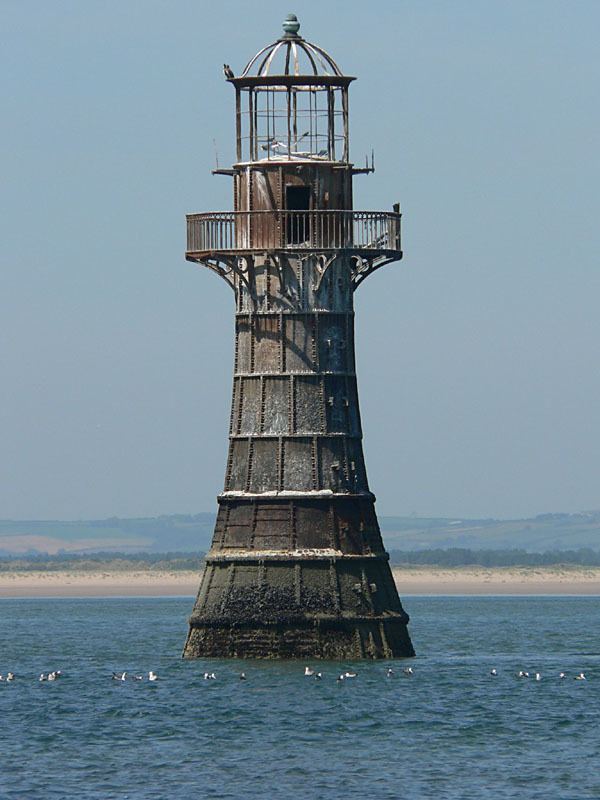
[393,515]
[116,354]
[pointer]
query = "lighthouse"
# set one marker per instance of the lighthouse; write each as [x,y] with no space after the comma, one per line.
[297,567]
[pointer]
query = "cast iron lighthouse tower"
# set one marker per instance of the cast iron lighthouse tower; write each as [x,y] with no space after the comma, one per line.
[297,567]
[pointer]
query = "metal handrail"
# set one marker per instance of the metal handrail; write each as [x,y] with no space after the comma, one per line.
[232,231]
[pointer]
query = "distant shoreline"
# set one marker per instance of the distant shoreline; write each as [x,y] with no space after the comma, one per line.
[411,580]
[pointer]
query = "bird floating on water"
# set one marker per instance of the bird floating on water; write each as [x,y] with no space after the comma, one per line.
[308,671]
[51,676]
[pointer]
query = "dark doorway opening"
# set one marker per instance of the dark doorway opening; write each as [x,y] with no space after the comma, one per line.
[297,203]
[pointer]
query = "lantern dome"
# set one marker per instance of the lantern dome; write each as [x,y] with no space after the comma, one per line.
[291,56]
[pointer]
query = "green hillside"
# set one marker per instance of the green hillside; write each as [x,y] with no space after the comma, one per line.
[542,533]
[177,532]
[193,533]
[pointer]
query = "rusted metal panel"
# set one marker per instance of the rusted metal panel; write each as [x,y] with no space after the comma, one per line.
[336,404]
[276,414]
[299,339]
[238,469]
[250,405]
[297,465]
[264,468]
[333,344]
[267,351]
[308,412]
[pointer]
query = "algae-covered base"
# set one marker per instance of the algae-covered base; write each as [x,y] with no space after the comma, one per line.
[330,639]
[331,608]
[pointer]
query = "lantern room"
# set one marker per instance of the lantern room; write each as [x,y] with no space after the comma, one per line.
[291,103]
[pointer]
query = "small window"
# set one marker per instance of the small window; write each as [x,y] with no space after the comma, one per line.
[297,198]
[297,203]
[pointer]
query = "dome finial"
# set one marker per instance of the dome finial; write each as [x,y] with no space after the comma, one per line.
[291,26]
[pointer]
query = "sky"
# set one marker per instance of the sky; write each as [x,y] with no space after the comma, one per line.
[477,354]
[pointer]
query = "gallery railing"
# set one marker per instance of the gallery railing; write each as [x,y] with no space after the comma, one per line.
[233,231]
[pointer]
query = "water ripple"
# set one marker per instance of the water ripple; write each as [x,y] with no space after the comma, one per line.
[450,731]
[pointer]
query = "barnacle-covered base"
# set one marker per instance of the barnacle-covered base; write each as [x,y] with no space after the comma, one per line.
[337,607]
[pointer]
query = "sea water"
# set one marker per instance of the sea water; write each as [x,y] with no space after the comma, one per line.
[451,730]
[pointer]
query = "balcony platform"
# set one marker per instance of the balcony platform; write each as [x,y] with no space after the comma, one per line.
[373,235]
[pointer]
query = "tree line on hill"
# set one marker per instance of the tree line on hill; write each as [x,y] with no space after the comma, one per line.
[106,561]
[464,557]
[184,561]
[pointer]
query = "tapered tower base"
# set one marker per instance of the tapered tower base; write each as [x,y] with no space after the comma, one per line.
[284,606]
[331,639]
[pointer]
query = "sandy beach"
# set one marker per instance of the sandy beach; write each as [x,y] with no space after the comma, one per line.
[498,580]
[410,581]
